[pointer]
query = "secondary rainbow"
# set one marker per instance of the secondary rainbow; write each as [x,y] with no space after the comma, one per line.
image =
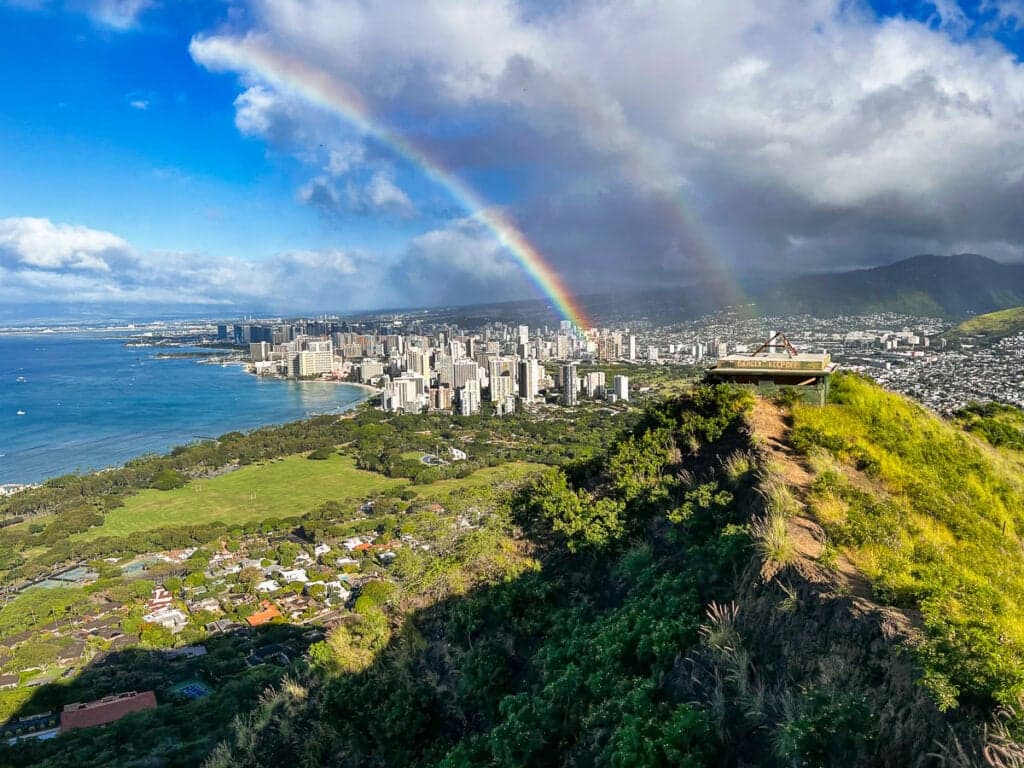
[318,87]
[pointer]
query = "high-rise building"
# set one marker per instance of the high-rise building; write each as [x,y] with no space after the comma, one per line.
[445,367]
[463,371]
[501,386]
[303,364]
[529,379]
[524,335]
[632,347]
[652,354]
[593,384]
[259,352]
[499,366]
[569,384]
[620,387]
[469,398]
[441,398]
[418,361]
[562,348]
[323,356]
[370,370]
[403,394]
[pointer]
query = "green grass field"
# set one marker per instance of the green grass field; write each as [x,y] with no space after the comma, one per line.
[281,488]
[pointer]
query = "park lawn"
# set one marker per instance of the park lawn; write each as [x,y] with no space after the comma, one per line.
[292,486]
[280,488]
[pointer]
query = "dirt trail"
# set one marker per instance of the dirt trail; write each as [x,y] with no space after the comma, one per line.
[769,423]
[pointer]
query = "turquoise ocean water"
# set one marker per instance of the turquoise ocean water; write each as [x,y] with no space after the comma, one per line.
[89,402]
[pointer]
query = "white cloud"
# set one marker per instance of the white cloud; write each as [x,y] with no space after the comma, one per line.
[343,158]
[119,14]
[383,194]
[41,244]
[45,262]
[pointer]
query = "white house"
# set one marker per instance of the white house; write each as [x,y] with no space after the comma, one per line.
[294,574]
[268,586]
[170,618]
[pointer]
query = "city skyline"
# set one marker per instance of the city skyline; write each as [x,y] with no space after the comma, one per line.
[292,155]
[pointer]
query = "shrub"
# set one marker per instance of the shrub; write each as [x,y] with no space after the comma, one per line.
[168,480]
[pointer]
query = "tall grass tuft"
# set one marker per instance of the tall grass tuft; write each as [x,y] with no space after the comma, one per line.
[773,542]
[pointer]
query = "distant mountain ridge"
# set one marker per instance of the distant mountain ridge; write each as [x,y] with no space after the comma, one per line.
[954,287]
[949,286]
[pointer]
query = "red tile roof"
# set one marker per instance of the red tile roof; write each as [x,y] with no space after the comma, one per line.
[268,613]
[105,710]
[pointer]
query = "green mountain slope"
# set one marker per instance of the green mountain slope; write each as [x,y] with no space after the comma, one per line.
[935,519]
[991,326]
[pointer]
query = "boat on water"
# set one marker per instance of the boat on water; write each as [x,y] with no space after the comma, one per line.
[21,379]
[20,412]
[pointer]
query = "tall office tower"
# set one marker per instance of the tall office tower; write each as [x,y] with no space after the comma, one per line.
[621,388]
[723,350]
[418,361]
[565,326]
[529,379]
[463,371]
[652,354]
[632,347]
[568,379]
[524,335]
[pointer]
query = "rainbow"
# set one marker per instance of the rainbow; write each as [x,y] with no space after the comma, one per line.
[320,88]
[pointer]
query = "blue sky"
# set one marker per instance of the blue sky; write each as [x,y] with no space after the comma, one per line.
[688,142]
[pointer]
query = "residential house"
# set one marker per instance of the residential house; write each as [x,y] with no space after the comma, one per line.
[106,710]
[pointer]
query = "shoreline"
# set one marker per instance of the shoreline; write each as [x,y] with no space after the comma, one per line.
[250,368]
[14,484]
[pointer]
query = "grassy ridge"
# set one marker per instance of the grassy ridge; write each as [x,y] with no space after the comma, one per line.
[282,488]
[934,519]
[994,325]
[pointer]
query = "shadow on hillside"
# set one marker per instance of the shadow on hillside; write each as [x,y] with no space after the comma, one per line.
[228,679]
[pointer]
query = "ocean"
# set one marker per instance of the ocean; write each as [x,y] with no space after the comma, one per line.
[88,402]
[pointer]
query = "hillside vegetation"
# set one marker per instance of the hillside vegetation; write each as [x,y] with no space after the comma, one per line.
[934,518]
[991,326]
